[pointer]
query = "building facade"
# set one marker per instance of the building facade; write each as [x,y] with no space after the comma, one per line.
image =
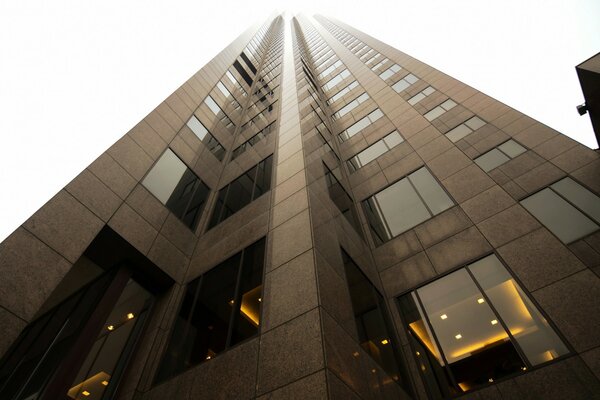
[314,214]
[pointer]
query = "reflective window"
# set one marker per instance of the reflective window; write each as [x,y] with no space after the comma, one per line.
[379,64]
[501,154]
[421,95]
[390,71]
[351,106]
[375,150]
[360,125]
[375,332]
[177,187]
[404,83]
[207,139]
[242,191]
[405,204]
[214,107]
[342,200]
[465,128]
[567,209]
[330,69]
[439,110]
[336,79]
[474,326]
[219,309]
[342,92]
[262,134]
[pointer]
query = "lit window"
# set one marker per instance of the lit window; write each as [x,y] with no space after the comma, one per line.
[501,154]
[177,187]
[373,325]
[474,326]
[351,106]
[421,95]
[360,125]
[405,204]
[439,110]
[390,71]
[567,209]
[465,128]
[219,309]
[404,83]
[375,150]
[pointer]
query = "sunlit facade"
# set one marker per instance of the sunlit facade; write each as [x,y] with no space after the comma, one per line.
[313,215]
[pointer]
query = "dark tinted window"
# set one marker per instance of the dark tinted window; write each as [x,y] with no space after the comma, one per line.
[177,187]
[219,309]
[342,200]
[242,191]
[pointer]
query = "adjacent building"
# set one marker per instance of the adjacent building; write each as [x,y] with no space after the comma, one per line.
[314,214]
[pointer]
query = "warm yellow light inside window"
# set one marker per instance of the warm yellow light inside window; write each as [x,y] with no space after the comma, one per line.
[130,316]
[480,301]
[105,383]
[384,341]
[458,336]
[443,316]
[494,321]
[110,327]
[85,393]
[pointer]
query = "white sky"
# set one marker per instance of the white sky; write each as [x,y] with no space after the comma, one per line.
[75,76]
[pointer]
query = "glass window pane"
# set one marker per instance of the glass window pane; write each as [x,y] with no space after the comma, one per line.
[491,160]
[416,98]
[393,139]
[475,123]
[249,299]
[448,104]
[435,197]
[410,78]
[164,177]
[371,153]
[475,345]
[428,90]
[512,148]
[196,126]
[458,133]
[530,329]
[395,210]
[210,318]
[434,113]
[400,85]
[564,220]
[585,200]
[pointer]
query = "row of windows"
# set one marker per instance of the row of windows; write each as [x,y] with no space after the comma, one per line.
[421,95]
[404,83]
[500,155]
[262,134]
[336,79]
[388,73]
[351,106]
[207,139]
[440,110]
[360,125]
[375,150]
[465,129]
[342,92]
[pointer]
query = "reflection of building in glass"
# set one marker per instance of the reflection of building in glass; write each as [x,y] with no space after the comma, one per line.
[313,215]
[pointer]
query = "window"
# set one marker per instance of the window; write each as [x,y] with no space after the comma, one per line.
[379,64]
[351,106]
[375,333]
[242,191]
[336,79]
[330,69]
[177,187]
[474,326]
[207,139]
[421,95]
[501,154]
[342,92]
[342,200]
[439,110]
[405,204]
[236,83]
[214,107]
[465,128]
[567,209]
[404,83]
[390,71]
[219,309]
[375,150]
[360,125]
[81,341]
[228,94]
[252,141]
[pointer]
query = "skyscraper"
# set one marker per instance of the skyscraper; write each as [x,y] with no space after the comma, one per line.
[313,214]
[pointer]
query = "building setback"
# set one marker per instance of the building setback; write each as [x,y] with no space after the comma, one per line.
[314,214]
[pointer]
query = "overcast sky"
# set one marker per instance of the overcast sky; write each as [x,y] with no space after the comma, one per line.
[75,76]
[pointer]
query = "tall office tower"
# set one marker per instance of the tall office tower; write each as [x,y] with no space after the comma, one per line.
[313,215]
